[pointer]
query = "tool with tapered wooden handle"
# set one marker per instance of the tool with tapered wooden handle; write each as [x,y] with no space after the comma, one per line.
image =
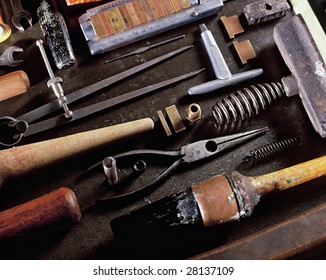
[218,200]
[13,84]
[22,160]
[57,207]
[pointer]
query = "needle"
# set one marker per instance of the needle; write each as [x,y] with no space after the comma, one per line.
[144,49]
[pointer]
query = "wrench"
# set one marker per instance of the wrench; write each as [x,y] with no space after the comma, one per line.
[19,15]
[7,57]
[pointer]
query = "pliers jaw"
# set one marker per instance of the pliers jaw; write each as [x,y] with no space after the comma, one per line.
[206,148]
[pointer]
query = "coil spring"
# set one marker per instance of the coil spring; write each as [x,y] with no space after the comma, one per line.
[262,153]
[247,102]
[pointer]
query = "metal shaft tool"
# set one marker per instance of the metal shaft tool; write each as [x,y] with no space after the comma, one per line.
[221,70]
[144,49]
[102,105]
[20,126]
[55,82]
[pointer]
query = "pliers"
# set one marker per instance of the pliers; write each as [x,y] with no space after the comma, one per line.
[186,154]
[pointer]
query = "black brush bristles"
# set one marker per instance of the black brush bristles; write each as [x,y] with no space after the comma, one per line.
[177,209]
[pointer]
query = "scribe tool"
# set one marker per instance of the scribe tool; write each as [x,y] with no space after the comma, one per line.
[144,49]
[17,128]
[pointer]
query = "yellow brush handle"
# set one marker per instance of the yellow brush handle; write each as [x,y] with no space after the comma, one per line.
[291,176]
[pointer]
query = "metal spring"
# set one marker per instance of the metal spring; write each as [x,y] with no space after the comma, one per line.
[262,153]
[246,102]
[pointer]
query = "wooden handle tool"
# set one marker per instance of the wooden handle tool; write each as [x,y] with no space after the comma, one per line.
[13,84]
[59,206]
[218,200]
[22,160]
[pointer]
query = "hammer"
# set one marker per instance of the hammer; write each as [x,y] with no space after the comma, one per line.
[304,59]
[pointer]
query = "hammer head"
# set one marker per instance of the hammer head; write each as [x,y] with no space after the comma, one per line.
[302,57]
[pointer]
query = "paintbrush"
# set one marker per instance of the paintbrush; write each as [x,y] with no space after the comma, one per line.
[218,200]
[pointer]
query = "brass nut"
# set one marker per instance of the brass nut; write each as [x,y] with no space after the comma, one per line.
[193,114]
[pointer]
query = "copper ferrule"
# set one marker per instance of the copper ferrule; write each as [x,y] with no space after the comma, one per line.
[216,201]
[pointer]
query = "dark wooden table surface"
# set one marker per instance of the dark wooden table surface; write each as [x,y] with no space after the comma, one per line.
[93,237]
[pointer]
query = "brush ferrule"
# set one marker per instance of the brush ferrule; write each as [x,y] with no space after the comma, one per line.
[216,201]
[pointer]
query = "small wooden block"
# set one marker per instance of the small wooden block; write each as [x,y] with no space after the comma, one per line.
[244,50]
[232,25]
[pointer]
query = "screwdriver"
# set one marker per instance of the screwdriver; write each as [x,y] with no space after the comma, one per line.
[56,34]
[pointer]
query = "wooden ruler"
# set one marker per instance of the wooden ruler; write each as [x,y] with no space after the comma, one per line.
[122,15]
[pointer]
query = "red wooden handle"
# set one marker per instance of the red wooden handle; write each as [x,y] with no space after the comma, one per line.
[57,206]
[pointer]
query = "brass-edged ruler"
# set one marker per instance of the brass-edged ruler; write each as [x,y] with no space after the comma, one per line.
[121,22]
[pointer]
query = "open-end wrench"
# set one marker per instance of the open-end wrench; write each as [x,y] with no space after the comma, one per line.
[19,15]
[7,57]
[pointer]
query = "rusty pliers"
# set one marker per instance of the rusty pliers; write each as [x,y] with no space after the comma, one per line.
[7,57]
[186,154]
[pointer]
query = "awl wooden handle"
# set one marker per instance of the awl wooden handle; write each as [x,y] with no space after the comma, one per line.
[21,160]
[55,207]
[13,84]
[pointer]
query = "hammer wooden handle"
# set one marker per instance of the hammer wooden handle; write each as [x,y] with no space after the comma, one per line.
[13,84]
[58,206]
[21,160]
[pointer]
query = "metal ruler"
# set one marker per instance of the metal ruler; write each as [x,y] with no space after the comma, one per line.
[118,15]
